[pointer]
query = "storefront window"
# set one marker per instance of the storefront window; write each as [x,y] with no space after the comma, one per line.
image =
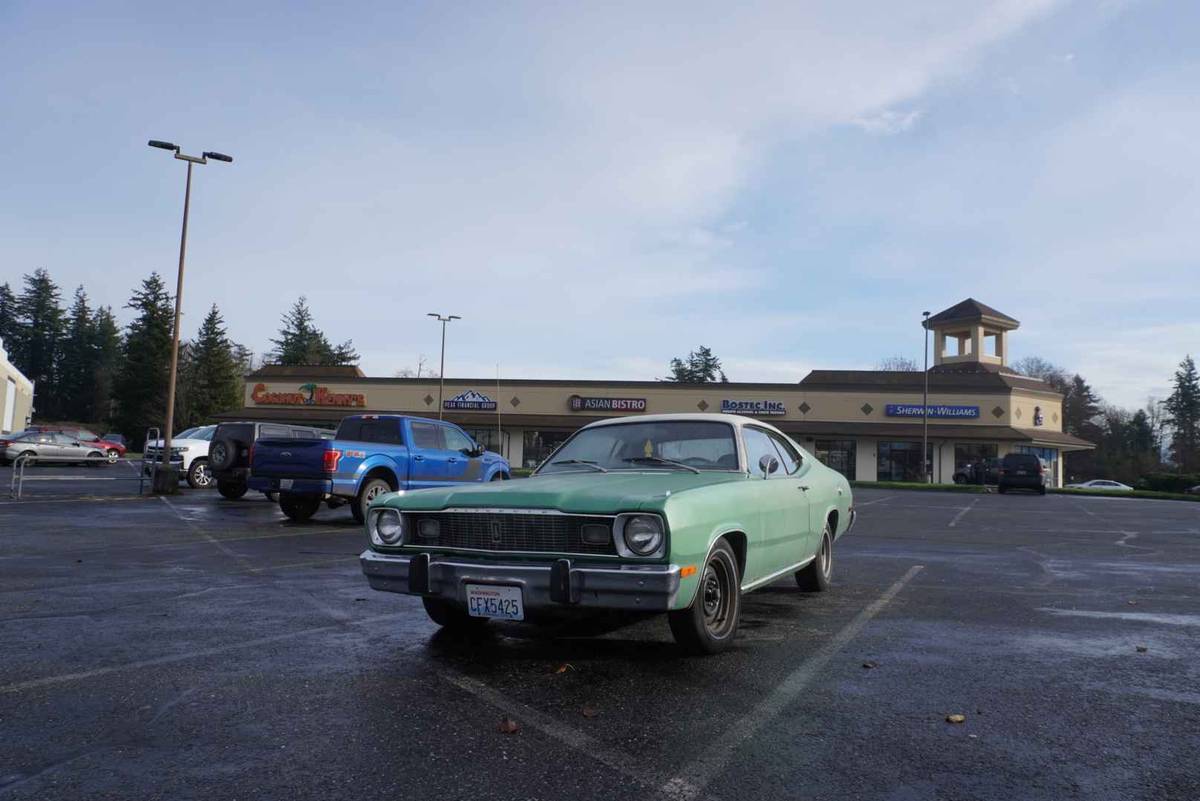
[540,444]
[901,461]
[490,438]
[969,454]
[838,454]
[1047,455]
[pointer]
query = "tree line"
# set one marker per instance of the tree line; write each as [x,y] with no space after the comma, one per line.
[1130,445]
[90,370]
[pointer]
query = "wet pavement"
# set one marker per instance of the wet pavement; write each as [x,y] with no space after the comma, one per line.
[193,647]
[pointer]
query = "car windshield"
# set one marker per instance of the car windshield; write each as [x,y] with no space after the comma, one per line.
[199,432]
[660,445]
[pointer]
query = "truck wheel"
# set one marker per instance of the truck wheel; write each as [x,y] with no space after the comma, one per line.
[818,574]
[709,624]
[451,616]
[231,489]
[95,459]
[198,475]
[299,507]
[114,455]
[371,489]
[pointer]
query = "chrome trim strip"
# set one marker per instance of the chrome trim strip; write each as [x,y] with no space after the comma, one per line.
[495,510]
[434,550]
[773,576]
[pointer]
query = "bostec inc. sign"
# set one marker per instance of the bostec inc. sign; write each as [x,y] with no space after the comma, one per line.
[470,401]
[579,403]
[756,408]
[935,410]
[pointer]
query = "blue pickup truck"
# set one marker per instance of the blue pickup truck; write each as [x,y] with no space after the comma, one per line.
[371,454]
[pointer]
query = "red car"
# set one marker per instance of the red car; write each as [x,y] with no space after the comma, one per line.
[114,450]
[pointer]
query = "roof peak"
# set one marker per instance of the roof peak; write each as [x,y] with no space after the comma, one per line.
[971,310]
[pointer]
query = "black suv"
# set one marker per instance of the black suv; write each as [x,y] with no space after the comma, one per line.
[229,452]
[1023,471]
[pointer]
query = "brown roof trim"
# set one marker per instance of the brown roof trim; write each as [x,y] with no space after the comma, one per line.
[971,310]
[985,382]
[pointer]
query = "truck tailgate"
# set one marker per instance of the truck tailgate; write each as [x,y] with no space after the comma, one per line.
[289,458]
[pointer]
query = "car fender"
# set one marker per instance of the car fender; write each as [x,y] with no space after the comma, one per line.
[379,460]
[496,467]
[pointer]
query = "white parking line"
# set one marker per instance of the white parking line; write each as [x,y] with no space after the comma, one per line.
[569,736]
[960,515]
[66,678]
[701,771]
[877,500]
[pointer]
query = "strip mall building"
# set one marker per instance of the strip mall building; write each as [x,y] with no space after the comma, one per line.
[865,423]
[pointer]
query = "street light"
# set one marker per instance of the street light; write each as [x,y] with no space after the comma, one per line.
[169,483]
[442,371]
[925,476]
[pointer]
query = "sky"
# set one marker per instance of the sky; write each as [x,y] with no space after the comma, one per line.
[596,188]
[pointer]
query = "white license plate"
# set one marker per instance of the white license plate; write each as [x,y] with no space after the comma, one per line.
[491,600]
[285,483]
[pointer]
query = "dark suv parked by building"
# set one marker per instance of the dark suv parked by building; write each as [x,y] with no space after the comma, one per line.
[230,452]
[1023,471]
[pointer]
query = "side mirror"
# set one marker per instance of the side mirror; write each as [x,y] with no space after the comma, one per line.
[768,465]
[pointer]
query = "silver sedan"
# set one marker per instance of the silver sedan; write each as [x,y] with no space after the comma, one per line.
[60,447]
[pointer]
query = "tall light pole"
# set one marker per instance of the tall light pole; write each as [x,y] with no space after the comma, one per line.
[925,475]
[442,371]
[169,482]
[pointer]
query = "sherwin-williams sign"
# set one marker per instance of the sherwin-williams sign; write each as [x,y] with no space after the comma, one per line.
[309,395]
[582,404]
[754,407]
[471,401]
[916,410]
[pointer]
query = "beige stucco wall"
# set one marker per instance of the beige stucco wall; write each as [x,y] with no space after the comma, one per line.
[22,395]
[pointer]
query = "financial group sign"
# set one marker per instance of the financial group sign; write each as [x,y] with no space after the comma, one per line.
[470,401]
[935,410]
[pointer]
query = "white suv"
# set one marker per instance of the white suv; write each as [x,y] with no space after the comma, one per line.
[189,455]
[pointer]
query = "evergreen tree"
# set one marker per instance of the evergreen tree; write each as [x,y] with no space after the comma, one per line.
[1183,415]
[77,364]
[40,321]
[300,342]
[141,386]
[700,367]
[106,365]
[214,371]
[9,325]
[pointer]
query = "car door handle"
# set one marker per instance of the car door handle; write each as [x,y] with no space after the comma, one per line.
[805,487]
[453,459]
[418,458]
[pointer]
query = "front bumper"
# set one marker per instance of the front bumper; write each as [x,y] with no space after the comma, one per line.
[544,585]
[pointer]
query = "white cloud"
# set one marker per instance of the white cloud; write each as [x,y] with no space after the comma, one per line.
[888,122]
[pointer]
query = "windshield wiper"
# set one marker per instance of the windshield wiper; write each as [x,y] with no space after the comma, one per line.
[584,462]
[660,460]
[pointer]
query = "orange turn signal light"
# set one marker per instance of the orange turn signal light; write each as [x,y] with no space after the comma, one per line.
[690,570]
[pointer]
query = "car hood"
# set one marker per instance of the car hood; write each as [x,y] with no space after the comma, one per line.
[577,492]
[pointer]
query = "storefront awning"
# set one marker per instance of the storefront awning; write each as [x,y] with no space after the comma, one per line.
[908,431]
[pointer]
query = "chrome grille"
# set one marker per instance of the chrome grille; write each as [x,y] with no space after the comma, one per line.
[504,531]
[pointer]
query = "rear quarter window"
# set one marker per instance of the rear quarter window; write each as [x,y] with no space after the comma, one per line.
[239,432]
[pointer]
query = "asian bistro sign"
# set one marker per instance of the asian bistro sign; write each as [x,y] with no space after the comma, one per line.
[579,403]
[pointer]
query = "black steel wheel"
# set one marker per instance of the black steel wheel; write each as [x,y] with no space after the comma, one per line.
[231,489]
[299,508]
[223,454]
[710,623]
[817,576]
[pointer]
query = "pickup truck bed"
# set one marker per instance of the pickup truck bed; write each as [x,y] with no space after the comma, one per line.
[370,455]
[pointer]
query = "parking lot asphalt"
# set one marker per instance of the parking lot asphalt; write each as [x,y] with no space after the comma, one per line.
[193,647]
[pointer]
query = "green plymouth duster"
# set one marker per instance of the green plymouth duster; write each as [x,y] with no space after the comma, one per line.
[677,513]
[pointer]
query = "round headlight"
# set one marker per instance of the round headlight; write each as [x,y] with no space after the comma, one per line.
[388,526]
[643,534]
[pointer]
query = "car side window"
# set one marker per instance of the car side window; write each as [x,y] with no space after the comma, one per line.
[302,433]
[274,432]
[789,457]
[758,445]
[427,436]
[383,431]
[456,440]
